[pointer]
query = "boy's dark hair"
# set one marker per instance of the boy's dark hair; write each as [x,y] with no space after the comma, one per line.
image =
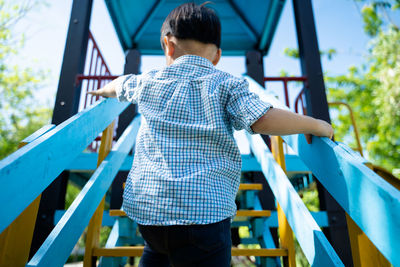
[192,22]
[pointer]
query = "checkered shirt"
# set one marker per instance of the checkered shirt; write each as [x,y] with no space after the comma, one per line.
[186,167]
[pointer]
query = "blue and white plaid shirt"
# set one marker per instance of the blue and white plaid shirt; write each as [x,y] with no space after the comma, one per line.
[186,167]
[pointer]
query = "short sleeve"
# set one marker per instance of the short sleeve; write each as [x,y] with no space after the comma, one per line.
[127,88]
[244,107]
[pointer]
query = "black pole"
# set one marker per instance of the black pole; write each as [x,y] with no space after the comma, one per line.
[255,69]
[255,66]
[317,107]
[68,94]
[132,65]
[66,105]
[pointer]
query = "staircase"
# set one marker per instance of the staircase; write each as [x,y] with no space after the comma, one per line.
[27,172]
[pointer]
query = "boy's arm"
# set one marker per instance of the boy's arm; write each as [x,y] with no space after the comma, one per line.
[109,90]
[281,122]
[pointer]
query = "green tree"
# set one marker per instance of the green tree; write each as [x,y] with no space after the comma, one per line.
[373,89]
[20,113]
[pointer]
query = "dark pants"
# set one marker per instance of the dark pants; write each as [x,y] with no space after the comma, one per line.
[187,245]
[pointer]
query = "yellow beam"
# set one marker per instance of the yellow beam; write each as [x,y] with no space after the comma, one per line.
[253,213]
[16,239]
[262,252]
[93,233]
[364,252]
[137,251]
[250,187]
[285,231]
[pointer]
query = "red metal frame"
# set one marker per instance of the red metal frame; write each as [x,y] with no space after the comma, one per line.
[296,102]
[98,75]
[285,81]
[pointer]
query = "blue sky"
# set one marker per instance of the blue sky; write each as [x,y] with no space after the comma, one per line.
[338,22]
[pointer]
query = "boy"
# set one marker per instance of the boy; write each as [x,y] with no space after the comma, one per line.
[185,175]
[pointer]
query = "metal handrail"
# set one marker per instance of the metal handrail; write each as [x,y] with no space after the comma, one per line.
[285,81]
[353,122]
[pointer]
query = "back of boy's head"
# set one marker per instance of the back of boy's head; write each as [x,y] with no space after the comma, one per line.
[192,22]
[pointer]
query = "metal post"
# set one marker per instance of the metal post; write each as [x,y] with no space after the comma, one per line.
[132,65]
[68,95]
[66,105]
[255,69]
[317,107]
[255,66]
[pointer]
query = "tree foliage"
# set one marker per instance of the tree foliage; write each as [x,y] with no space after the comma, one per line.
[20,113]
[373,89]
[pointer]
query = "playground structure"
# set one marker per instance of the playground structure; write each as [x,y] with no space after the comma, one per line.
[360,211]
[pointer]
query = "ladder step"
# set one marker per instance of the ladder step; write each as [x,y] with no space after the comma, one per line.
[262,252]
[137,251]
[250,187]
[253,213]
[240,213]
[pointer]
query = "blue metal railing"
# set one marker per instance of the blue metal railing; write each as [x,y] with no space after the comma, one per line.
[27,172]
[370,201]
[313,242]
[59,244]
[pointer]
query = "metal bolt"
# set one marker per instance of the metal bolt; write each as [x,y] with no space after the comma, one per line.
[76,21]
[62,103]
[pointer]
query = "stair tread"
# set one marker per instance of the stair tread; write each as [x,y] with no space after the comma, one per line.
[138,250]
[240,213]
[245,186]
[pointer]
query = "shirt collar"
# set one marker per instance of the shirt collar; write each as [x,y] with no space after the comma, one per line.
[193,60]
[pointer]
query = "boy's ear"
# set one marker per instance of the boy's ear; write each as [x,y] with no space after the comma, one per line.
[217,57]
[169,46]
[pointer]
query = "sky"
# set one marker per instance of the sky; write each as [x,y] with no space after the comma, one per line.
[338,23]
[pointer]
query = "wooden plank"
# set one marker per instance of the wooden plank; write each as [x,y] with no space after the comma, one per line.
[320,217]
[137,251]
[59,244]
[128,251]
[295,165]
[16,239]
[119,213]
[250,187]
[239,213]
[262,252]
[312,241]
[37,134]
[372,203]
[36,165]
[363,250]
[253,213]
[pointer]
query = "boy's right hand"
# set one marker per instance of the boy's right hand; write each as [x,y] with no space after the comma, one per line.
[323,129]
[108,90]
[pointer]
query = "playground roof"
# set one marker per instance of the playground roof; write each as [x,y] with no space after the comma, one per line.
[246,25]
